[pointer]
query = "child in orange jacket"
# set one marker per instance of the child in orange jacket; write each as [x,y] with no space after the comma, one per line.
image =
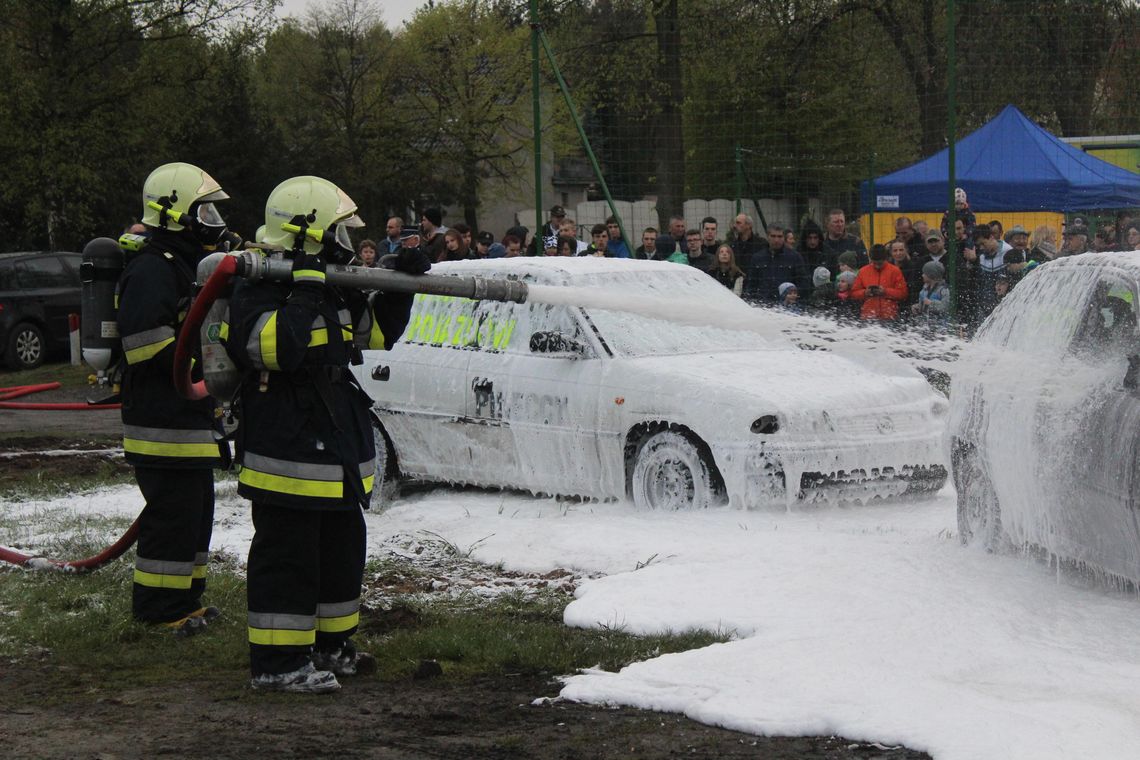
[881,287]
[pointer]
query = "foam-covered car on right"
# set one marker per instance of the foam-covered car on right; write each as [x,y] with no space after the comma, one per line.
[1045,418]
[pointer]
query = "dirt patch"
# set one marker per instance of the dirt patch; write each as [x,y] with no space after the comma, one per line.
[52,713]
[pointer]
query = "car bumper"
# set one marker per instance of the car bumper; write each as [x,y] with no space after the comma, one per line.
[790,472]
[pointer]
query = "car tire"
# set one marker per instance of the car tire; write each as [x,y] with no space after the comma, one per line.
[26,347]
[979,514]
[670,473]
[386,480]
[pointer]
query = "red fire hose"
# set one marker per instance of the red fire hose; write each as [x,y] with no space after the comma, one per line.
[23,390]
[188,336]
[112,552]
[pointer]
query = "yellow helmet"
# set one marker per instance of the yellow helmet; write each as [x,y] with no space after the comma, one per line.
[172,190]
[310,212]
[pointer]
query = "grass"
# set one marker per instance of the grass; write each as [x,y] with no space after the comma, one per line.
[82,624]
[64,373]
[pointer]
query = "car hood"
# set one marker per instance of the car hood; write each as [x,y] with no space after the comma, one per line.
[792,382]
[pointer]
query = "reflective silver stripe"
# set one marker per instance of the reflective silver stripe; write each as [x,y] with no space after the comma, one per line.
[367,468]
[163,567]
[147,337]
[167,435]
[202,558]
[275,621]
[345,317]
[318,323]
[301,470]
[338,609]
[253,345]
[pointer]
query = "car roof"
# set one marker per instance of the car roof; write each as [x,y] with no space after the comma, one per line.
[559,270]
[1127,262]
[27,254]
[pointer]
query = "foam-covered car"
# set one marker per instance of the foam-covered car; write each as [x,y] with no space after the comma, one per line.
[630,379]
[1045,417]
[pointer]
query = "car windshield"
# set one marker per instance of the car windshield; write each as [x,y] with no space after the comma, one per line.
[1061,309]
[666,313]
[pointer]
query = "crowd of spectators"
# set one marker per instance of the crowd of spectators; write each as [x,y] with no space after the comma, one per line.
[826,270]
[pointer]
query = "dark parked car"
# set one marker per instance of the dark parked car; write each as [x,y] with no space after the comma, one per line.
[38,290]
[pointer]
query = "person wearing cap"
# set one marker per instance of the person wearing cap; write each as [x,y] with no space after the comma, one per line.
[935,248]
[1076,238]
[824,295]
[431,222]
[483,243]
[789,296]
[1018,237]
[961,211]
[553,227]
[880,287]
[932,307]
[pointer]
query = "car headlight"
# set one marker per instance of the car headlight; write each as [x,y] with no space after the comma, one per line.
[765,425]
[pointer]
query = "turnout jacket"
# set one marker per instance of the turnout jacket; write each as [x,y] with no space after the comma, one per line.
[304,436]
[160,428]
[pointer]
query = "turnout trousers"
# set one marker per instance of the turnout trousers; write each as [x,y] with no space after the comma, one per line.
[303,584]
[174,542]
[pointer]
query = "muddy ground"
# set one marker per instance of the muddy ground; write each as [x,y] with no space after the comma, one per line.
[52,712]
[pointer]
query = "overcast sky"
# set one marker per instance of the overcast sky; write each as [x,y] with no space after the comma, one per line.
[395,12]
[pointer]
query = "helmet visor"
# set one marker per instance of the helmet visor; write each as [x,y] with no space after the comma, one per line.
[343,241]
[208,216]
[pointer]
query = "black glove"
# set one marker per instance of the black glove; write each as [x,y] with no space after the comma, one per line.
[411,261]
[308,270]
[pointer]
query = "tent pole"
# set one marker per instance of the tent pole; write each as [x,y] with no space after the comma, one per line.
[951,138]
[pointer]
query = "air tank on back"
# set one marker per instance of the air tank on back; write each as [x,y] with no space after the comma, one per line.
[99,273]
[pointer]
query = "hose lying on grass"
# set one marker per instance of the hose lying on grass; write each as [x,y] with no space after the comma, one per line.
[33,562]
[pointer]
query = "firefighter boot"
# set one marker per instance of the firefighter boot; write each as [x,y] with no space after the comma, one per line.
[345,661]
[195,622]
[304,680]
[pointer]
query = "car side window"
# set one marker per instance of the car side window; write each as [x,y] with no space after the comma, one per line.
[8,279]
[43,272]
[461,323]
[1109,323]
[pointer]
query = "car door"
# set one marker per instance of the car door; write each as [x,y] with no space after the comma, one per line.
[420,389]
[542,416]
[53,292]
[1103,424]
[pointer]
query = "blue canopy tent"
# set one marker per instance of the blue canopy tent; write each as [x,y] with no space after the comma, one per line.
[1009,164]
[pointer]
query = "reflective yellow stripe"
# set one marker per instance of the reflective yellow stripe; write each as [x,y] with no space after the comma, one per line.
[338,624]
[308,276]
[281,638]
[157,449]
[296,486]
[319,337]
[267,342]
[158,580]
[368,483]
[141,354]
[199,571]
[375,336]
[224,331]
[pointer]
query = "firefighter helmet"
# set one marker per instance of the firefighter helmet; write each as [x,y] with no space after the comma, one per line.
[180,195]
[313,213]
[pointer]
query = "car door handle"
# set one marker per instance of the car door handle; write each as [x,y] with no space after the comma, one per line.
[381,372]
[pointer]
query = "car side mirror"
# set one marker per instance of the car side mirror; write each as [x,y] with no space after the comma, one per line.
[550,342]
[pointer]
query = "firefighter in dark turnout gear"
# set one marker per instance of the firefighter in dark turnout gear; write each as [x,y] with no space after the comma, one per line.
[305,441]
[173,444]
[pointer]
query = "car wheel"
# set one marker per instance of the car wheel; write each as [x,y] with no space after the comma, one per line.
[979,515]
[25,347]
[386,482]
[670,473]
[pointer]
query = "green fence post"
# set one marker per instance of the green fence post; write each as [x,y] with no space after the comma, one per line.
[535,93]
[951,138]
